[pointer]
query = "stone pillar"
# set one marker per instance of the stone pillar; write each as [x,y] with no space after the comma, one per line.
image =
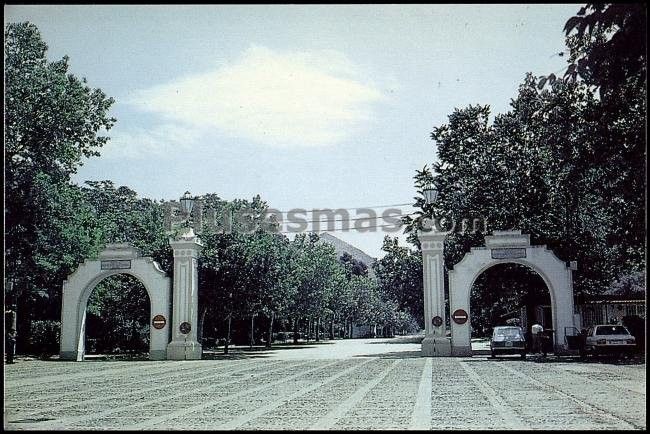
[184,344]
[435,342]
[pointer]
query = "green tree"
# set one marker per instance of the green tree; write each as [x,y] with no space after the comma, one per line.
[241,268]
[540,168]
[607,45]
[118,316]
[399,274]
[52,121]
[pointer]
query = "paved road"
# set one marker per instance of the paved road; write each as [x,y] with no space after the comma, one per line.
[358,384]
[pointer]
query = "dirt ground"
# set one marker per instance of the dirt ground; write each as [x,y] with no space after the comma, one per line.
[350,384]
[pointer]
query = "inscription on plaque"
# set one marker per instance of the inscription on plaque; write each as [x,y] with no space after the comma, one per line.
[508,253]
[116,265]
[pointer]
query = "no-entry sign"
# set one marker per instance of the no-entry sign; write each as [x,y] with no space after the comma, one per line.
[158,322]
[459,316]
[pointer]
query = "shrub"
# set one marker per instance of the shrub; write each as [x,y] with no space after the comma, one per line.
[45,337]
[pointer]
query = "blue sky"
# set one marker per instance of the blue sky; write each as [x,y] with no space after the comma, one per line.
[327,106]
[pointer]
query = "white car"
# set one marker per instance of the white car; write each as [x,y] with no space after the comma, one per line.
[608,339]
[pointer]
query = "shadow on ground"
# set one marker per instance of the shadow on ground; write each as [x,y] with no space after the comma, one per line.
[258,351]
[393,355]
[551,358]
[399,340]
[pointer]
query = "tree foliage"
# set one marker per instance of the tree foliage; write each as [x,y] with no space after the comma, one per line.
[52,120]
[399,274]
[565,164]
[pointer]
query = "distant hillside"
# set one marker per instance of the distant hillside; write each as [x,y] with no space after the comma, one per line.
[342,247]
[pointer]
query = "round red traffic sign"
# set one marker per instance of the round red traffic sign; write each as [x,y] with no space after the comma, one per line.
[158,322]
[459,316]
[437,321]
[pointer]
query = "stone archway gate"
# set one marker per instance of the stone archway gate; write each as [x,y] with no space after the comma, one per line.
[115,259]
[510,247]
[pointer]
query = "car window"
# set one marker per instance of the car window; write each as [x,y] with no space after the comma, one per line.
[611,330]
[510,332]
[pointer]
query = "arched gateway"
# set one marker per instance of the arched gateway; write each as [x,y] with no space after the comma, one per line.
[115,259]
[501,247]
[510,247]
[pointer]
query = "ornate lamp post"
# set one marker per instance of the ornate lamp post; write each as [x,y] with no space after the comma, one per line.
[184,344]
[430,194]
[435,342]
[187,203]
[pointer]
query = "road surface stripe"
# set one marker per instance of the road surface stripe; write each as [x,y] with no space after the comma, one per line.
[132,407]
[305,390]
[51,378]
[327,421]
[194,378]
[101,380]
[509,418]
[150,423]
[421,417]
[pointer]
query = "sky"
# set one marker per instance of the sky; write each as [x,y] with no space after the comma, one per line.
[309,106]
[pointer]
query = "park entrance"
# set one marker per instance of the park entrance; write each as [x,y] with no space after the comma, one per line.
[510,247]
[115,259]
[502,247]
[507,294]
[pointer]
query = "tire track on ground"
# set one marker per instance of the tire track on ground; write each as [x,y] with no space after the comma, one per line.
[140,391]
[327,421]
[512,421]
[56,393]
[150,423]
[66,421]
[602,371]
[52,378]
[593,409]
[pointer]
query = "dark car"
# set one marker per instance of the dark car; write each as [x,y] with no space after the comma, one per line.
[508,340]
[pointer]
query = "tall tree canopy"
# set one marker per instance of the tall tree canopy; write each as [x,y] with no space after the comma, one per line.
[52,120]
[566,163]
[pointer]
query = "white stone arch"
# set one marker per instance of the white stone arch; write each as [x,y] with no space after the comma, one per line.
[114,259]
[510,247]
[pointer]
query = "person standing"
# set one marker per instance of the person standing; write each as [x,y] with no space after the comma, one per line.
[10,345]
[536,330]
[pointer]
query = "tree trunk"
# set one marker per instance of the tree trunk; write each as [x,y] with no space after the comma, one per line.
[225,346]
[270,339]
[295,330]
[332,329]
[318,329]
[252,341]
[22,322]
[308,328]
[199,331]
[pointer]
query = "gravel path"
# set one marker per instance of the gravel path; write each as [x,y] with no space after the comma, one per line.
[351,384]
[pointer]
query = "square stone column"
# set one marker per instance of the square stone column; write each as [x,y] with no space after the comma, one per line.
[435,342]
[184,344]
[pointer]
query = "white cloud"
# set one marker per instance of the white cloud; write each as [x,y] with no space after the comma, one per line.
[279,99]
[161,141]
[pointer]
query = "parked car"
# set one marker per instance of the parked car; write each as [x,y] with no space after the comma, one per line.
[508,340]
[608,339]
